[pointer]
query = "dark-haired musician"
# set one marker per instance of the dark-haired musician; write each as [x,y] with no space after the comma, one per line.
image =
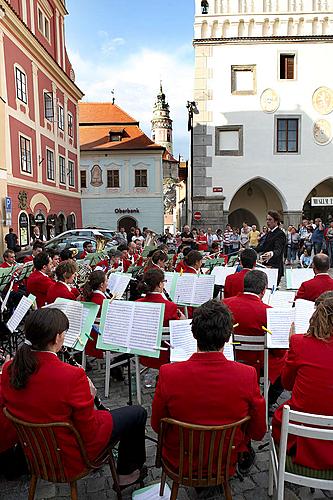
[87,248]
[8,259]
[37,247]
[63,288]
[39,281]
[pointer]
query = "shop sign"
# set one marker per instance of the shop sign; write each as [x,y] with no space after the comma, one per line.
[127,211]
[40,219]
[322,201]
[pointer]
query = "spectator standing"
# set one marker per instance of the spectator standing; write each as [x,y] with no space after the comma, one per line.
[244,235]
[202,241]
[292,245]
[254,235]
[303,233]
[187,237]
[318,236]
[235,240]
[329,237]
[226,239]
[11,240]
[211,238]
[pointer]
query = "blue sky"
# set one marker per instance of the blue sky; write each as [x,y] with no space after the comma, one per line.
[128,46]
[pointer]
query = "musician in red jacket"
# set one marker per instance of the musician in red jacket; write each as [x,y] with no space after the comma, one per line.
[234,283]
[63,288]
[202,390]
[152,286]
[308,373]
[8,259]
[39,388]
[249,312]
[39,281]
[322,282]
[193,262]
[8,435]
[37,247]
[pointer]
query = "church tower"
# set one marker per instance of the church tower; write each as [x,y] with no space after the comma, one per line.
[161,122]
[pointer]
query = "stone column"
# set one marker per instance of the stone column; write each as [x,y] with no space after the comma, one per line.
[211,208]
[292,218]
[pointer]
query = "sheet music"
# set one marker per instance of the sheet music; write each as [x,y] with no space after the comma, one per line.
[194,289]
[184,288]
[182,340]
[282,299]
[295,277]
[304,309]
[221,273]
[228,351]
[169,277]
[266,297]
[279,322]
[145,326]
[74,312]
[272,276]
[19,313]
[203,289]
[152,492]
[118,283]
[118,323]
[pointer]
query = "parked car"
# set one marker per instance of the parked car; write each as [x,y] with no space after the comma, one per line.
[76,237]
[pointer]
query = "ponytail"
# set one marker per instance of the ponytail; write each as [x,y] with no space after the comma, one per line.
[94,281]
[192,257]
[151,279]
[41,328]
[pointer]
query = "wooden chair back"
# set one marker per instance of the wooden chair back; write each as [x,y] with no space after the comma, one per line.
[204,452]
[42,448]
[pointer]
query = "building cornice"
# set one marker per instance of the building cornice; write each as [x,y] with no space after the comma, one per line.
[18,28]
[263,39]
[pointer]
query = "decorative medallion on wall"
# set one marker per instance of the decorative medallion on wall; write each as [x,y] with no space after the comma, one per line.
[22,200]
[269,101]
[96,176]
[322,132]
[322,100]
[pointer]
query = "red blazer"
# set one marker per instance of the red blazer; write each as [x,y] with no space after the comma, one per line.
[91,350]
[8,436]
[250,312]
[170,313]
[311,289]
[234,284]
[70,402]
[308,373]
[180,266]
[188,269]
[83,255]
[28,258]
[5,265]
[202,243]
[126,264]
[38,284]
[59,289]
[202,391]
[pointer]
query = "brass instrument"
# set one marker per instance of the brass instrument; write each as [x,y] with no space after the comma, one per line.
[101,242]
[82,275]
[74,251]
[150,239]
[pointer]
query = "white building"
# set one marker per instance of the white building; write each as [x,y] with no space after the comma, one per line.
[263,86]
[121,170]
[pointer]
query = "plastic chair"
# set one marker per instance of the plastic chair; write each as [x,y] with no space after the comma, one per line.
[209,446]
[281,468]
[255,344]
[42,449]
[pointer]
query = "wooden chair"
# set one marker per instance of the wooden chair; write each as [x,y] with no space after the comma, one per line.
[42,449]
[209,446]
[281,466]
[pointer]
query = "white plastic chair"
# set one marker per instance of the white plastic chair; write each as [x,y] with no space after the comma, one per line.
[307,425]
[255,343]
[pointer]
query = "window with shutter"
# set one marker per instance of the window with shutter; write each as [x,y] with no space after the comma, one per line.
[287,66]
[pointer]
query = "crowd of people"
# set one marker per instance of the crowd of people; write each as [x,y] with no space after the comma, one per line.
[206,394]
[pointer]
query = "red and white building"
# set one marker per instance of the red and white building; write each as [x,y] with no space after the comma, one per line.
[39,147]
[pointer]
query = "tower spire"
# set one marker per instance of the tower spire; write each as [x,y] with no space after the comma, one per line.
[161,122]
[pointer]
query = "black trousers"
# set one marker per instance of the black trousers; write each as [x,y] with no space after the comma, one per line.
[129,424]
[274,392]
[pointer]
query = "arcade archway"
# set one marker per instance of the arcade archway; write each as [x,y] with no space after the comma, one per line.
[321,205]
[127,223]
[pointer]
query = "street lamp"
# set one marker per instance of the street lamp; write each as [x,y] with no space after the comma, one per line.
[204,6]
[191,110]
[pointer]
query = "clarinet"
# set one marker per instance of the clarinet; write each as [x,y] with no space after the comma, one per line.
[71,361]
[167,295]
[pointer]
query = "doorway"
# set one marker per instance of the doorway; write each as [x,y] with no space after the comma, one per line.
[127,223]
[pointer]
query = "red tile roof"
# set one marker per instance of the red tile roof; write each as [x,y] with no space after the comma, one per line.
[103,113]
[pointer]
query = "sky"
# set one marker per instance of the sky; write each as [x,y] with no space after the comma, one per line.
[129,46]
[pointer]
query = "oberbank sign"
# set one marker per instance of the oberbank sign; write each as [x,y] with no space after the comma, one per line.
[322,201]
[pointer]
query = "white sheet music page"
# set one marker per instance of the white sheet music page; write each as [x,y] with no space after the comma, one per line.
[118,323]
[203,289]
[152,492]
[266,297]
[279,322]
[221,274]
[272,276]
[74,312]
[118,283]
[182,341]
[228,351]
[282,299]
[184,288]
[300,275]
[19,313]
[145,326]
[168,281]
[304,310]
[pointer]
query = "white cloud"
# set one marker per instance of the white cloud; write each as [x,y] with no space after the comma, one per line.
[136,83]
[109,44]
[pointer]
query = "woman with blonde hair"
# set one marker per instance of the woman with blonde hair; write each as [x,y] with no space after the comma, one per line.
[308,373]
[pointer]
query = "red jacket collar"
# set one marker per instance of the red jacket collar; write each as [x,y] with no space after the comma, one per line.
[208,357]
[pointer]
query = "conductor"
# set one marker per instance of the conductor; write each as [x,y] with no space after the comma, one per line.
[274,244]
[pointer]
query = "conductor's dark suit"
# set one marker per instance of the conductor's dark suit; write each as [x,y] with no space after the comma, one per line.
[275,241]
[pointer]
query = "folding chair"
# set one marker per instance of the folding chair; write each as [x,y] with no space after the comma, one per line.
[255,343]
[281,467]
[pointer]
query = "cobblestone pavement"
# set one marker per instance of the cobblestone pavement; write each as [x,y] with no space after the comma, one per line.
[98,486]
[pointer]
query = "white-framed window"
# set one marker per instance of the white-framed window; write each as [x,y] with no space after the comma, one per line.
[287,66]
[61,123]
[49,165]
[62,170]
[21,85]
[43,24]
[25,155]
[48,106]
[70,124]
[113,179]
[71,180]
[141,178]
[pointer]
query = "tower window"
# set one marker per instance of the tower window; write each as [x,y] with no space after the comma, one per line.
[287,66]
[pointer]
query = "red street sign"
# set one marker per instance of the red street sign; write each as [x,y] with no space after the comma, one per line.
[197,216]
[217,190]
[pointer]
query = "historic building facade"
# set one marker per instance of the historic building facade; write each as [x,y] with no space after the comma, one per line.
[264,91]
[39,152]
[121,170]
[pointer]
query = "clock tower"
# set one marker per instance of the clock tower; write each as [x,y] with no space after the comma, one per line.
[161,122]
